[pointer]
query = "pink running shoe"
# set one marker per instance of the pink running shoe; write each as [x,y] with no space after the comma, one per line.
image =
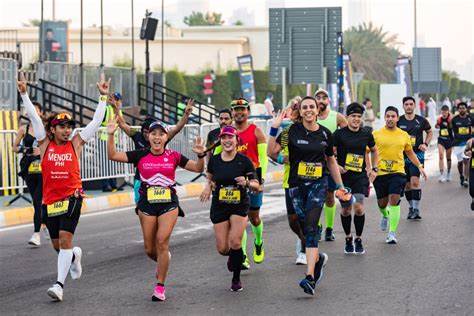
[159,293]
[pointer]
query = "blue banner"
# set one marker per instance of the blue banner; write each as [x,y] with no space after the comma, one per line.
[247,85]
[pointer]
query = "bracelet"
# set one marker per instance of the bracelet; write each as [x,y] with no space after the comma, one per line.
[426,144]
[200,156]
[273,131]
[375,169]
[281,159]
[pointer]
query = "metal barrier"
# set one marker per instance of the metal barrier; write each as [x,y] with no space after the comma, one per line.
[9,164]
[8,93]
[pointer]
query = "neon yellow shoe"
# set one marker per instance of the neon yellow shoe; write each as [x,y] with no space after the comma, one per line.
[246,263]
[258,253]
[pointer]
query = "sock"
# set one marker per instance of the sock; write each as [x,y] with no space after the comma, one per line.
[258,233]
[394,217]
[384,211]
[359,224]
[409,197]
[329,214]
[244,243]
[64,263]
[416,198]
[346,223]
[160,284]
[236,258]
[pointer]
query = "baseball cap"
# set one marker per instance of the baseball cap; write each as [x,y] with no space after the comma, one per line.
[228,130]
[354,108]
[320,90]
[117,96]
[239,103]
[62,118]
[158,124]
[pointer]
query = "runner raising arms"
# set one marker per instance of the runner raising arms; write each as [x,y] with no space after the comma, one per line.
[445,142]
[62,184]
[158,205]
[332,121]
[311,156]
[230,174]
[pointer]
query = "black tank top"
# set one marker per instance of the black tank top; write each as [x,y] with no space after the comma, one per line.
[28,141]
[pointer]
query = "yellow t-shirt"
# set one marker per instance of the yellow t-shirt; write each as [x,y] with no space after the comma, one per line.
[391,144]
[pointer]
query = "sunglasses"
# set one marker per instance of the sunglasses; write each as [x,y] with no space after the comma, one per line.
[63,116]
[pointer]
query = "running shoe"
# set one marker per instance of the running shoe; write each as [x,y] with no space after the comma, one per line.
[411,214]
[349,247]
[258,253]
[448,177]
[384,223]
[320,232]
[442,178]
[318,268]
[329,235]
[159,293]
[76,268]
[461,180]
[465,184]
[472,205]
[359,248]
[35,240]
[301,259]
[56,292]
[245,263]
[45,233]
[416,214]
[391,238]
[308,285]
[236,286]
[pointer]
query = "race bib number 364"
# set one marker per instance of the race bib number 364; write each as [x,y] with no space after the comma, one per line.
[158,195]
[310,170]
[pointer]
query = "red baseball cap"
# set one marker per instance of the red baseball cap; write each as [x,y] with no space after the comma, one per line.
[228,130]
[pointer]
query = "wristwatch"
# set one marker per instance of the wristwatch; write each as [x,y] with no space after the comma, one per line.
[375,169]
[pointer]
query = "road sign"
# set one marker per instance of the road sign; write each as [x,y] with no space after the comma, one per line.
[304,41]
[427,73]
[207,82]
[208,91]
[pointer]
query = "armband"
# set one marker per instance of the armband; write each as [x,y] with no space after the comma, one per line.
[273,131]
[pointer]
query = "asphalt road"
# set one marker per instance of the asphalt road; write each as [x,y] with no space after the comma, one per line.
[430,271]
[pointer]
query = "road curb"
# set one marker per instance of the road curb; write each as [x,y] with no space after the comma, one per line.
[24,215]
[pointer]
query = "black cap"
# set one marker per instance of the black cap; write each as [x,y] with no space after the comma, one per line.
[391,108]
[354,108]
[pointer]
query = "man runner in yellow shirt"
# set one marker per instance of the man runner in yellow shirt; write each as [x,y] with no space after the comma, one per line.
[392,143]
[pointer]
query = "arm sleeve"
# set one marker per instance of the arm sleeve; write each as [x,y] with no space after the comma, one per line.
[263,158]
[183,160]
[38,128]
[89,131]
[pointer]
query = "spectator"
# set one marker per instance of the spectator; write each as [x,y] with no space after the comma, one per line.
[369,115]
[269,104]
[422,107]
[431,111]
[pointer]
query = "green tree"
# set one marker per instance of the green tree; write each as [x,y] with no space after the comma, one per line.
[200,19]
[175,81]
[238,23]
[123,61]
[373,51]
[32,22]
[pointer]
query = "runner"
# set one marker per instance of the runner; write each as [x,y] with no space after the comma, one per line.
[445,143]
[225,119]
[392,143]
[140,139]
[62,184]
[158,206]
[30,170]
[278,151]
[254,145]
[311,156]
[331,120]
[414,125]
[350,144]
[469,152]
[461,124]
[230,174]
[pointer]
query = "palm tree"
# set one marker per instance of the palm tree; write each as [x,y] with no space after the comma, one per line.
[373,51]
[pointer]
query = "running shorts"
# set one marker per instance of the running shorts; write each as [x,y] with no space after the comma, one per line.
[66,222]
[446,143]
[389,184]
[158,209]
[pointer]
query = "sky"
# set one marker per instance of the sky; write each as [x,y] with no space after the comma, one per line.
[448,24]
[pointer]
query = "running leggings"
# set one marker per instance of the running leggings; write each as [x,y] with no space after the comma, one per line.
[34,184]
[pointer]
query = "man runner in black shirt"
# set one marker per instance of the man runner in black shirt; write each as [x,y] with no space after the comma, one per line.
[350,144]
[461,124]
[414,125]
[225,119]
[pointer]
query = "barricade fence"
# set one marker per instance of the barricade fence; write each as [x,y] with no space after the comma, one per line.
[94,161]
[8,93]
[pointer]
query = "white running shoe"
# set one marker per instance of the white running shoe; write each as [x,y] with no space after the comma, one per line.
[301,259]
[35,240]
[442,178]
[391,238]
[45,233]
[76,267]
[448,177]
[56,292]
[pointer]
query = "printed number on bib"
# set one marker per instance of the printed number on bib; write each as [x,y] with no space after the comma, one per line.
[413,140]
[310,170]
[354,162]
[387,165]
[464,131]
[444,132]
[35,167]
[158,195]
[229,195]
[57,208]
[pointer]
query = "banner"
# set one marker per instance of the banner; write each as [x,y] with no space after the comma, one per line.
[55,46]
[348,83]
[246,77]
[403,73]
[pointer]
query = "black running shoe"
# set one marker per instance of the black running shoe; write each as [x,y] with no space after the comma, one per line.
[416,214]
[461,180]
[359,249]
[319,267]
[308,285]
[410,213]
[329,236]
[349,247]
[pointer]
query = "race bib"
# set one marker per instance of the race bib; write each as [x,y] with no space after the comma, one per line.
[444,132]
[354,162]
[35,167]
[158,195]
[387,165]
[463,131]
[413,140]
[310,170]
[57,208]
[230,195]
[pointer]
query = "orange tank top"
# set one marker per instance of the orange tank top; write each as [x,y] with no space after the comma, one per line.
[61,174]
[248,144]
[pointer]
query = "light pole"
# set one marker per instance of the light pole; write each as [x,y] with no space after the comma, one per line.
[101,34]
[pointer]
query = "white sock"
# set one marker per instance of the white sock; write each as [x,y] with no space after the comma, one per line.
[64,263]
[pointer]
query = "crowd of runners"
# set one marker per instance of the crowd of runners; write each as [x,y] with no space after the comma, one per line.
[326,156]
